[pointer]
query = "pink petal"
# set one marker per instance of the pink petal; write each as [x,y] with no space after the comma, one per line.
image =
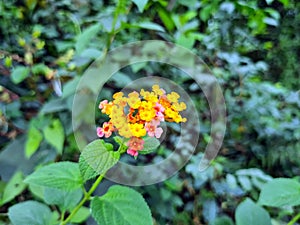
[100,132]
[132,152]
[158,132]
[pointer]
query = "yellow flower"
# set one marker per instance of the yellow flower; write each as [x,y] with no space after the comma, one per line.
[144,93]
[179,106]
[146,105]
[118,95]
[119,99]
[107,108]
[147,114]
[137,129]
[133,100]
[173,97]
[157,90]
[125,131]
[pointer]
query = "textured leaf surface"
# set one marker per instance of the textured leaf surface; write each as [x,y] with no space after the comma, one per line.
[121,206]
[97,159]
[63,199]
[63,175]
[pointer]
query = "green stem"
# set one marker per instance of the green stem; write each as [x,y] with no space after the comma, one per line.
[86,198]
[295,219]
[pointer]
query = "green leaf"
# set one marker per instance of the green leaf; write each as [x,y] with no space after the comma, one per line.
[30,212]
[54,135]
[19,74]
[97,159]
[87,172]
[280,192]
[121,79]
[121,205]
[13,188]
[81,216]
[65,200]
[33,141]
[151,26]
[223,220]
[249,213]
[40,69]
[85,38]
[140,4]
[150,144]
[62,175]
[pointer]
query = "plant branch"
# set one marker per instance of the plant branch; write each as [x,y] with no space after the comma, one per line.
[85,198]
[295,219]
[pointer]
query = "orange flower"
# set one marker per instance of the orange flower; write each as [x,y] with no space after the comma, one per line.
[140,114]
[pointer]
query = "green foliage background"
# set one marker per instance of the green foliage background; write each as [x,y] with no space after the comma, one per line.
[252,47]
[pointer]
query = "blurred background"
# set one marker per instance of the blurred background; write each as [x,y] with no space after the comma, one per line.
[252,48]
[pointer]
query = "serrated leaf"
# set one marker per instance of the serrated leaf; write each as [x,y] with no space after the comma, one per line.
[85,37]
[121,205]
[140,4]
[96,156]
[13,188]
[249,213]
[150,144]
[33,141]
[19,74]
[65,200]
[54,135]
[62,175]
[280,192]
[87,172]
[30,212]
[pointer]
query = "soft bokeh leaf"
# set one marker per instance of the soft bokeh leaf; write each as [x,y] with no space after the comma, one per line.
[19,74]
[280,192]
[82,214]
[150,145]
[30,212]
[33,141]
[140,4]
[249,213]
[85,37]
[54,135]
[13,188]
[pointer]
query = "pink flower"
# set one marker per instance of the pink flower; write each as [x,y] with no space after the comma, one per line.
[159,111]
[153,130]
[159,108]
[134,145]
[132,152]
[106,130]
[102,104]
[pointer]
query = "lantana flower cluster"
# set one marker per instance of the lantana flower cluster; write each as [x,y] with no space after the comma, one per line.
[140,114]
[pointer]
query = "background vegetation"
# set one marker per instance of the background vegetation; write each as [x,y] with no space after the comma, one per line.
[252,47]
